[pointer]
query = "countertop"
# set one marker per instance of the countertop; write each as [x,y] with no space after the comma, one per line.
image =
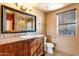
[16,39]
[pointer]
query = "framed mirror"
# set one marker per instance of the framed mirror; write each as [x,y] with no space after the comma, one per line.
[15,21]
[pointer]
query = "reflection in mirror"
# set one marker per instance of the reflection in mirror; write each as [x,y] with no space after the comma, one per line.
[17,21]
[9,20]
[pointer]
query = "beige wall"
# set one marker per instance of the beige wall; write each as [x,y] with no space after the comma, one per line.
[66,44]
[38,13]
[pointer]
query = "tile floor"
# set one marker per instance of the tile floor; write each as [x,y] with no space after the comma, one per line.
[57,53]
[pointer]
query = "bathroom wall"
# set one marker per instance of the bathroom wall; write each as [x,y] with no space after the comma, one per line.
[40,19]
[67,44]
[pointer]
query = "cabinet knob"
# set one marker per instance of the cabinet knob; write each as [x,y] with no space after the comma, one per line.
[10,46]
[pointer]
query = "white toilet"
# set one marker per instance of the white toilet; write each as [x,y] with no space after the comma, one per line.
[48,47]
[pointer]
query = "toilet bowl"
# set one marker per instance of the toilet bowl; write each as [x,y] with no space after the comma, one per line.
[48,47]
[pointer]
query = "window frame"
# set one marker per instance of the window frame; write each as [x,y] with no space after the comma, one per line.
[57,24]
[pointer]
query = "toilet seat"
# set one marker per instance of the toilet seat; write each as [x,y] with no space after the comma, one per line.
[50,44]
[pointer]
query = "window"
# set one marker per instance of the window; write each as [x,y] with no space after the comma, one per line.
[66,23]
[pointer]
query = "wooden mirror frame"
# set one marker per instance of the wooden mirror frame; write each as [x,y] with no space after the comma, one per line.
[9,8]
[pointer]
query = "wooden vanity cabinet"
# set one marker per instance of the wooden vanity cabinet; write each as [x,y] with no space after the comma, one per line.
[36,46]
[30,47]
[14,49]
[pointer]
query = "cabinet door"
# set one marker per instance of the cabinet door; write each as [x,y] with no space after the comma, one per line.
[25,48]
[14,49]
[40,51]
[39,41]
[1,49]
[18,46]
[8,49]
[35,45]
[39,46]
[32,46]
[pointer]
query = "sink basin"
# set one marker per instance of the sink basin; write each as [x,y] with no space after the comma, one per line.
[31,36]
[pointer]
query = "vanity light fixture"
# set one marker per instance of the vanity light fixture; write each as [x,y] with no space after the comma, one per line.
[24,6]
